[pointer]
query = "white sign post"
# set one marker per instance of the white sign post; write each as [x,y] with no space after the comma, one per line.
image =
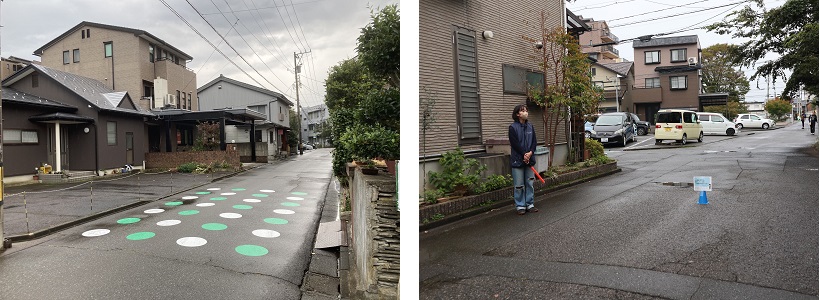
[702,185]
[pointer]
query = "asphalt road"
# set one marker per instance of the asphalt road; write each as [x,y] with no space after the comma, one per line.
[630,236]
[245,237]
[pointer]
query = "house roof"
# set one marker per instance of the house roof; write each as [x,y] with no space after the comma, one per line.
[576,24]
[244,85]
[94,92]
[622,68]
[137,32]
[60,117]
[12,95]
[667,41]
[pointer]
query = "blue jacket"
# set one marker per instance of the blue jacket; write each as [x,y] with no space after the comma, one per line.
[522,140]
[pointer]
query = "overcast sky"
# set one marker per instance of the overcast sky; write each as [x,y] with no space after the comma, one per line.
[328,28]
[622,12]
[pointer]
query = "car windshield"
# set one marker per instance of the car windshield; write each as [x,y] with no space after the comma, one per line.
[669,118]
[609,120]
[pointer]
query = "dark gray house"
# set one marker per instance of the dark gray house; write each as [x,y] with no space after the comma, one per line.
[70,122]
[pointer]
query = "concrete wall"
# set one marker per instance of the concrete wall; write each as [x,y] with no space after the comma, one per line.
[374,237]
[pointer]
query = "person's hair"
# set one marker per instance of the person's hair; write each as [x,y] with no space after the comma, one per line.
[517,110]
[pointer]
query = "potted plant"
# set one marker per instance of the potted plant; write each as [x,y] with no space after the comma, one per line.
[367,142]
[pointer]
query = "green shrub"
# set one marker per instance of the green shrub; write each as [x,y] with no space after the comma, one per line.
[432,196]
[188,167]
[494,182]
[457,172]
[595,148]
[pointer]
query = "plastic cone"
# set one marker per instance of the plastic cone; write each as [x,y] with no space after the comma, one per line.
[702,199]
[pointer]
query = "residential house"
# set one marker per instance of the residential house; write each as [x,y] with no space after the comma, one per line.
[11,65]
[616,80]
[599,34]
[475,64]
[153,71]
[757,107]
[70,122]
[269,133]
[667,75]
[313,118]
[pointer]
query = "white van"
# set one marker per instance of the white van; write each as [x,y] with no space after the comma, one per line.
[715,123]
[677,124]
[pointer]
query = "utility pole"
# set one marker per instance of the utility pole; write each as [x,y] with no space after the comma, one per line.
[297,67]
[5,243]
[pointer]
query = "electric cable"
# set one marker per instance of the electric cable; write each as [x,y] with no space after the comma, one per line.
[676,15]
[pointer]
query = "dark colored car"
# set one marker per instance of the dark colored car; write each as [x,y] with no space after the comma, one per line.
[642,126]
[614,128]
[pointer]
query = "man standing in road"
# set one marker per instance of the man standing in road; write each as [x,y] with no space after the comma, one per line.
[812,122]
[803,120]
[522,145]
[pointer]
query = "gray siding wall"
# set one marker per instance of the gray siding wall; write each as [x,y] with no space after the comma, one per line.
[234,96]
[509,21]
[21,159]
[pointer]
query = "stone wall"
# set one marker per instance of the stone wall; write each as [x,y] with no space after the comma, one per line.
[373,237]
[154,160]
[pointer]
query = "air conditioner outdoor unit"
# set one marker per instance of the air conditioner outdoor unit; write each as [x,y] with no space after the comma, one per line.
[693,61]
[171,100]
[281,117]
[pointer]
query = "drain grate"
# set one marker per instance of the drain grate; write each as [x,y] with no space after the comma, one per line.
[677,184]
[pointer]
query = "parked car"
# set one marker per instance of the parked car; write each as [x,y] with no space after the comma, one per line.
[307,147]
[588,128]
[753,121]
[642,127]
[614,128]
[715,123]
[678,125]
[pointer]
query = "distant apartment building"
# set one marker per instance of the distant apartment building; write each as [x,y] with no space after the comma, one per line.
[313,120]
[153,71]
[599,33]
[667,75]
[11,65]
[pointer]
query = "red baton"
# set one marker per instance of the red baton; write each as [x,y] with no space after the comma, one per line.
[537,175]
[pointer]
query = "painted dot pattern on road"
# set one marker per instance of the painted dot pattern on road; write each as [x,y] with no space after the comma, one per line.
[140,236]
[193,241]
[128,221]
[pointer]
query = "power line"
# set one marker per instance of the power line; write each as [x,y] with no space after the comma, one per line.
[271,7]
[646,13]
[286,27]
[209,56]
[270,32]
[304,48]
[669,4]
[675,15]
[603,5]
[280,58]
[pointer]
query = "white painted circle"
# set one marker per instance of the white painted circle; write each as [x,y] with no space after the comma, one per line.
[265,233]
[252,200]
[168,222]
[267,191]
[230,215]
[206,204]
[295,198]
[284,211]
[228,194]
[189,197]
[191,241]
[154,211]
[96,232]
[214,189]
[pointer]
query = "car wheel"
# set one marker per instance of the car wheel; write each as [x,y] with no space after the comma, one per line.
[765,126]
[739,125]
[586,134]
[683,140]
[658,142]
[641,131]
[730,131]
[624,141]
[700,138]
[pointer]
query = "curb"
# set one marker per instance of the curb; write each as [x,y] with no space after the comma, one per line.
[45,232]
[482,209]
[677,145]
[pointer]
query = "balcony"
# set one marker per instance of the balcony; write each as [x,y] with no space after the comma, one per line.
[609,51]
[646,95]
[607,36]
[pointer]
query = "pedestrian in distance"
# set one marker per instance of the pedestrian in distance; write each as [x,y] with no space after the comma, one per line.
[803,121]
[812,122]
[521,134]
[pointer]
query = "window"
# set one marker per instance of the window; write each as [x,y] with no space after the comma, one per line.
[111,128]
[190,102]
[76,55]
[652,57]
[66,57]
[88,33]
[468,104]
[678,55]
[310,127]
[178,102]
[517,79]
[653,83]
[270,137]
[593,71]
[109,49]
[17,136]
[151,53]
[184,103]
[705,118]
[258,135]
[35,80]
[83,32]
[689,117]
[754,118]
[677,82]
[717,119]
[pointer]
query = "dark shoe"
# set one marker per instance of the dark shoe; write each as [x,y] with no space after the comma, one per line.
[521,212]
[534,210]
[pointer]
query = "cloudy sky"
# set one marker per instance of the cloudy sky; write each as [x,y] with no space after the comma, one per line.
[692,15]
[267,34]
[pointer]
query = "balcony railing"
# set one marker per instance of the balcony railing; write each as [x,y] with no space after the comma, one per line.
[607,36]
[611,49]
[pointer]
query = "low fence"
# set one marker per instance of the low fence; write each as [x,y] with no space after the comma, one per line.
[165,160]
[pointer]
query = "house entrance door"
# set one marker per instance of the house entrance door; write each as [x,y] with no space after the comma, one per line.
[52,145]
[129,148]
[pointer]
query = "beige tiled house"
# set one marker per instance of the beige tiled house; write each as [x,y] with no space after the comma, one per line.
[473,61]
[616,79]
[11,65]
[153,71]
[599,33]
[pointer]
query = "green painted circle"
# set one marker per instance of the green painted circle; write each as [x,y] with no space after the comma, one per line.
[189,212]
[128,220]
[260,195]
[251,250]
[140,236]
[299,193]
[240,206]
[214,226]
[174,203]
[237,189]
[203,193]
[276,221]
[291,204]
[219,198]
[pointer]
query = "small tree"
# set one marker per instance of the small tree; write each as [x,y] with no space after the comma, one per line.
[778,108]
[428,117]
[207,136]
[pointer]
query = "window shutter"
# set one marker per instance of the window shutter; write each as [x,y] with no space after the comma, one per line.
[467,86]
